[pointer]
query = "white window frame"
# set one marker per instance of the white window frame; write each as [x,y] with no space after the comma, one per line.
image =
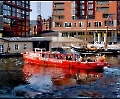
[90,1]
[25,46]
[76,24]
[90,24]
[82,1]
[82,24]
[90,6]
[91,12]
[101,23]
[82,12]
[74,17]
[82,6]
[73,11]
[16,48]
[98,23]
[67,24]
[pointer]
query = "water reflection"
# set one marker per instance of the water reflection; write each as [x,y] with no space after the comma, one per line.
[61,76]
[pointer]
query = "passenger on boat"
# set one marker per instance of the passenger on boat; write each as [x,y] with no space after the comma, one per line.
[102,59]
[57,57]
[80,59]
[89,59]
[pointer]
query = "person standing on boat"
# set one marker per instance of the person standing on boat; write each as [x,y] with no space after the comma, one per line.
[80,59]
[102,58]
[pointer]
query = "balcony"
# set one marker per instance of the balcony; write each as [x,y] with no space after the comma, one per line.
[58,17]
[84,17]
[58,12]
[58,6]
[102,9]
[102,3]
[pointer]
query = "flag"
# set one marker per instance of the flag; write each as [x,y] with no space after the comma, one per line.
[110,18]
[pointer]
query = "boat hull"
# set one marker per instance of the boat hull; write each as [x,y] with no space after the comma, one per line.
[65,63]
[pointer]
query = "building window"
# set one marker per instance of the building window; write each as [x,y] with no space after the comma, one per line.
[90,6]
[82,6]
[72,11]
[90,1]
[13,9]
[90,33]
[72,34]
[82,1]
[16,47]
[81,33]
[58,24]
[90,12]
[108,22]
[73,5]
[13,2]
[64,34]
[68,24]
[25,46]
[82,12]
[88,24]
[73,17]
[81,24]
[75,24]
[97,24]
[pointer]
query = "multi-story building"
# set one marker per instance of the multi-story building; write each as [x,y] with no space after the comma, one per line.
[14,18]
[91,20]
[46,24]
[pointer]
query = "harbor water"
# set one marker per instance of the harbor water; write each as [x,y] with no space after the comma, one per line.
[23,80]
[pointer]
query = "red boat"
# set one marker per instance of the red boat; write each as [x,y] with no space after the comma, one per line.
[61,60]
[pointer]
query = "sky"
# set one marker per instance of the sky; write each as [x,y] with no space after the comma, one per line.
[46,9]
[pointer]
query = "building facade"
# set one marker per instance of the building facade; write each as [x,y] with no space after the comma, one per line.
[91,20]
[46,24]
[15,18]
[21,44]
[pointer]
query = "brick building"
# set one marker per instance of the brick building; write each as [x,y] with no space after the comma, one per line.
[46,24]
[91,20]
[14,18]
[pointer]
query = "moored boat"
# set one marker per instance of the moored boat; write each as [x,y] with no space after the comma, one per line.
[61,60]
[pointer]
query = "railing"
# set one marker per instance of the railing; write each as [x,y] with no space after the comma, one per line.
[102,2]
[84,17]
[102,9]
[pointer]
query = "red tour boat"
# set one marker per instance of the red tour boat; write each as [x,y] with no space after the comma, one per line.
[61,60]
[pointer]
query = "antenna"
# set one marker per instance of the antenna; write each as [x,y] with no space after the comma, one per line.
[39,8]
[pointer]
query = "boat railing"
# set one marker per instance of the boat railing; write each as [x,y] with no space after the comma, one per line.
[39,49]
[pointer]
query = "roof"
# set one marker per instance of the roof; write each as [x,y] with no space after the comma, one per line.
[50,33]
[47,31]
[28,39]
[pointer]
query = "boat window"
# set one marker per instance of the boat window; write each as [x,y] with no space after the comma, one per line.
[42,55]
[51,56]
[68,57]
[57,57]
[46,56]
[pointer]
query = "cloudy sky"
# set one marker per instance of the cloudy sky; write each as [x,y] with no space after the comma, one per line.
[46,9]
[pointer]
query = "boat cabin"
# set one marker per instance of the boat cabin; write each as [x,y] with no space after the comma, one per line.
[55,54]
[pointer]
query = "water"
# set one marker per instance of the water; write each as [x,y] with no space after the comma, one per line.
[22,80]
